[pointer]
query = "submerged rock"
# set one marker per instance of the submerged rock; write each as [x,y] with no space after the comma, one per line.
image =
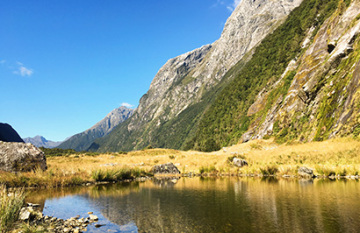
[168,168]
[21,157]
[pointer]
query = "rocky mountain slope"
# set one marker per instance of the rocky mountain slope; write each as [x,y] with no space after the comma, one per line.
[168,114]
[82,141]
[8,134]
[323,100]
[305,87]
[40,141]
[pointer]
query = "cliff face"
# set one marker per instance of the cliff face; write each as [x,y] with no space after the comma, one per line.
[323,100]
[185,85]
[82,141]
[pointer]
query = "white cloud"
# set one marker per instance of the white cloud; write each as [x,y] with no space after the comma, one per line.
[22,70]
[233,5]
[2,61]
[127,105]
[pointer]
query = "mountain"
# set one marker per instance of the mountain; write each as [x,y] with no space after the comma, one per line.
[82,141]
[40,141]
[302,84]
[169,113]
[8,134]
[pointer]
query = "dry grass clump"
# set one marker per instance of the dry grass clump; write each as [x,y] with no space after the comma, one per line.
[10,205]
[39,178]
[117,174]
[209,170]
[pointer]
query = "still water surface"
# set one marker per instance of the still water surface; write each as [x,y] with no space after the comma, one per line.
[212,205]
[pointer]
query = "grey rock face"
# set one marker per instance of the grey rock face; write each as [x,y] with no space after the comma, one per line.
[82,141]
[202,68]
[112,119]
[317,78]
[40,141]
[21,157]
[168,168]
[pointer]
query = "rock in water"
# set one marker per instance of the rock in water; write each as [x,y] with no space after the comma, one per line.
[306,172]
[168,168]
[93,217]
[17,156]
[239,162]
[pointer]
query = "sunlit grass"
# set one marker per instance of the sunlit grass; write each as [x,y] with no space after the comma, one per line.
[264,157]
[11,203]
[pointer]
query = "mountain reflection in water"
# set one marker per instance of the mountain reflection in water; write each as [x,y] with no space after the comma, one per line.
[212,205]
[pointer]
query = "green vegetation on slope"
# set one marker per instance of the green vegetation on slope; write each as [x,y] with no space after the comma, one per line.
[226,120]
[177,133]
[81,141]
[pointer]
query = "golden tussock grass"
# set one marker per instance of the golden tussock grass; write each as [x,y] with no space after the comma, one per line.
[332,157]
[10,205]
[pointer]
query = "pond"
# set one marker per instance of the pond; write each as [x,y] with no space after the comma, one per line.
[211,205]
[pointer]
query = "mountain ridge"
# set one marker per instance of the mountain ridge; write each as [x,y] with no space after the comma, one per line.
[82,141]
[40,141]
[183,86]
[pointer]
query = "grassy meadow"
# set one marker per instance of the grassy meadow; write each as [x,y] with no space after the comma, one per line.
[336,157]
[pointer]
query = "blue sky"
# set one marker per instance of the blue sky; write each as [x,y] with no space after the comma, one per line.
[65,64]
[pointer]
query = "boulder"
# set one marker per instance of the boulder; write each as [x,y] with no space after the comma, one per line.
[21,157]
[306,172]
[168,168]
[239,162]
[24,214]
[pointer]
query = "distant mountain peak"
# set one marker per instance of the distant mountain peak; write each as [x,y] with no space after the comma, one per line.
[40,141]
[82,141]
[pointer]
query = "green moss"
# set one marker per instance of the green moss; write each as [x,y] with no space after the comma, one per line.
[356,131]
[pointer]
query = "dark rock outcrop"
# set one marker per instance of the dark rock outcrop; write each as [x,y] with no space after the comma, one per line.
[8,134]
[21,157]
[168,168]
[306,172]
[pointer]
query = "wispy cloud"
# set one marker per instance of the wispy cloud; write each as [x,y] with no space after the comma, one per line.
[218,3]
[233,5]
[229,4]
[22,70]
[127,105]
[2,61]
